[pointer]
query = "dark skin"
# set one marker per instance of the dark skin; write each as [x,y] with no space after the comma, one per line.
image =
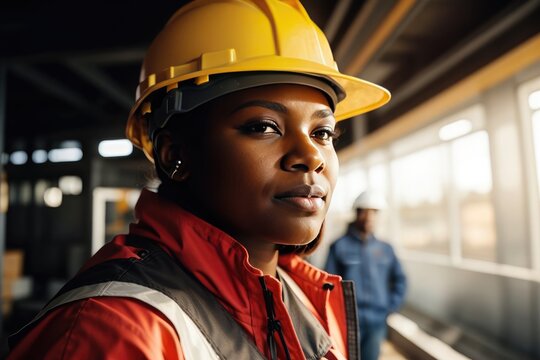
[365,222]
[264,169]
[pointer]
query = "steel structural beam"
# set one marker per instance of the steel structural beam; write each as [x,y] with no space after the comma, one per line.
[101,81]
[53,87]
[458,53]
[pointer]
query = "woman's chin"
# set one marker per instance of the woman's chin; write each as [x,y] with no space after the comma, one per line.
[298,240]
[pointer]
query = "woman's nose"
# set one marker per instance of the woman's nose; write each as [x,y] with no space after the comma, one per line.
[303,155]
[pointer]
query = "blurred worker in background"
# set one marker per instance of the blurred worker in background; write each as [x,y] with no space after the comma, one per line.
[373,266]
[237,109]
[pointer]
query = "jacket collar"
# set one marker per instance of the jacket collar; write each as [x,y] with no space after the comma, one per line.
[353,231]
[218,261]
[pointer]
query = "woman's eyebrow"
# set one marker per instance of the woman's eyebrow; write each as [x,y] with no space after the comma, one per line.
[262,103]
[321,114]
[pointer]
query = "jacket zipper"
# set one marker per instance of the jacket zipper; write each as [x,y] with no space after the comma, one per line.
[273,324]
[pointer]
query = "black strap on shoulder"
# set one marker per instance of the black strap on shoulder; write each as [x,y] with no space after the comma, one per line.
[353,331]
[157,270]
[353,340]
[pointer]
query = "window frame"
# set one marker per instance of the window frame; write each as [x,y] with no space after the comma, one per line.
[531,167]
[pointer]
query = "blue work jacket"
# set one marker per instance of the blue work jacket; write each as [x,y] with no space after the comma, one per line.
[372,264]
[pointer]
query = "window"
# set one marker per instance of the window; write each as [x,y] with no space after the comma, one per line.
[420,198]
[471,170]
[378,181]
[378,178]
[442,186]
[352,180]
[112,212]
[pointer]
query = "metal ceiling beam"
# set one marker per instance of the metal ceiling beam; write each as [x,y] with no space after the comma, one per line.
[118,56]
[110,57]
[505,67]
[460,52]
[397,31]
[336,18]
[53,87]
[391,21]
[97,78]
[358,25]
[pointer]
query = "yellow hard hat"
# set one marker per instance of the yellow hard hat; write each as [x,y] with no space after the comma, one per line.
[209,37]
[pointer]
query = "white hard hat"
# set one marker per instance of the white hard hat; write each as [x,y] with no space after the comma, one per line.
[370,200]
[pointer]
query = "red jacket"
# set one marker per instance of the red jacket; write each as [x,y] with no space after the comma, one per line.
[115,327]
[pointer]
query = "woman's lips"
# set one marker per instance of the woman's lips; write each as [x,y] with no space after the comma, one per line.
[304,197]
[307,204]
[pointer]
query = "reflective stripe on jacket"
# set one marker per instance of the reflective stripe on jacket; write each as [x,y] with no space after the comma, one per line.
[217,262]
[205,329]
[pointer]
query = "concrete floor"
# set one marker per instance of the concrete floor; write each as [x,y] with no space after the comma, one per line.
[388,352]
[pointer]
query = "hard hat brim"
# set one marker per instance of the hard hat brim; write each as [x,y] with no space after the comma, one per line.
[361,95]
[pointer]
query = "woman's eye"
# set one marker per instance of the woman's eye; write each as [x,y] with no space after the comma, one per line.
[326,134]
[262,127]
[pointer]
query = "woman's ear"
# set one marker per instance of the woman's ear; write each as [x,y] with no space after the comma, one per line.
[171,156]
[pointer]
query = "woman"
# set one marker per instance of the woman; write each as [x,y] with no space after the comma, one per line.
[237,109]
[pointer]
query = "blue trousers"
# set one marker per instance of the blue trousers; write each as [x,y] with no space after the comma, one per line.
[371,337]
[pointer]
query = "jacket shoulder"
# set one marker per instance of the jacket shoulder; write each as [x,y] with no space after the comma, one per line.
[386,245]
[101,327]
[343,240]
